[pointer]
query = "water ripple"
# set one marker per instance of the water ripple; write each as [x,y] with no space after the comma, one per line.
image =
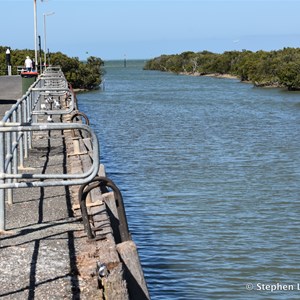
[210,173]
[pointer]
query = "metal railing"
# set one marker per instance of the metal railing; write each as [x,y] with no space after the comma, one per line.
[50,95]
[120,227]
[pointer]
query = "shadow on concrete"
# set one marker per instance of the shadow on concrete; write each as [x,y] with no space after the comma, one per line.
[67,235]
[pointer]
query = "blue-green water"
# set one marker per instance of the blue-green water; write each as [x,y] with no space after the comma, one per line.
[210,173]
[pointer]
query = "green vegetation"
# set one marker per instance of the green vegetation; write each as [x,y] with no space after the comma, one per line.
[275,68]
[81,75]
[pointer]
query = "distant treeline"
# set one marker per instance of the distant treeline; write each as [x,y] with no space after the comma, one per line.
[275,68]
[82,75]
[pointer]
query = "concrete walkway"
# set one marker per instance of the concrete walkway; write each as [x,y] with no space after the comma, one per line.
[10,88]
[39,254]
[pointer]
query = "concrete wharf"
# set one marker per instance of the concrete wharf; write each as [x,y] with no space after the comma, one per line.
[60,241]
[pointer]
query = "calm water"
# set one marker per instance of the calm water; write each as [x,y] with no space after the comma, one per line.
[210,173]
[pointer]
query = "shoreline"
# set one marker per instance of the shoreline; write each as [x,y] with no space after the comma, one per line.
[229,76]
[216,75]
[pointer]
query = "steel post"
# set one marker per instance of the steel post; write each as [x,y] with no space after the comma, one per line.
[2,181]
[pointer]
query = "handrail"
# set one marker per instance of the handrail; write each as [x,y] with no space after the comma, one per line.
[54,92]
[32,100]
[78,178]
[18,125]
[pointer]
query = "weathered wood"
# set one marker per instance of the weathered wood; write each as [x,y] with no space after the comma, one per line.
[95,194]
[110,201]
[88,144]
[134,275]
[82,146]
[91,204]
[114,286]
[122,275]
[112,211]
[111,286]
[102,171]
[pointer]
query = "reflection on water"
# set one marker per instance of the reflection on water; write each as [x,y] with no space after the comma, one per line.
[210,171]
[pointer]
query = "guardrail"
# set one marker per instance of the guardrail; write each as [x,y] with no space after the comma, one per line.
[6,164]
[50,95]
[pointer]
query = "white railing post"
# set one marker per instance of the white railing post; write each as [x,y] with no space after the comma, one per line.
[2,181]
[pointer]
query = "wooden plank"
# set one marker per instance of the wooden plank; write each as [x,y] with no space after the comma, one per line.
[114,286]
[91,204]
[134,275]
[102,171]
[88,144]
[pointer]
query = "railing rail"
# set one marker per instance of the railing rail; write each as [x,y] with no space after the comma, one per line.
[74,179]
[49,95]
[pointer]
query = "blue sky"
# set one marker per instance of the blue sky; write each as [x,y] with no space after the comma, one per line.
[145,29]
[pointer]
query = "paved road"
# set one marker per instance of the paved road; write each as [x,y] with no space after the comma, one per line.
[10,88]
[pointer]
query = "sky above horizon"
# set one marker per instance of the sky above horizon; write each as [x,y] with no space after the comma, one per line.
[145,29]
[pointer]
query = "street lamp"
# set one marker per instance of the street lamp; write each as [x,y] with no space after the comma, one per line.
[45,39]
[35,30]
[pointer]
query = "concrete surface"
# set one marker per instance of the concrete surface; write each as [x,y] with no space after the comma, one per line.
[10,89]
[45,253]
[39,251]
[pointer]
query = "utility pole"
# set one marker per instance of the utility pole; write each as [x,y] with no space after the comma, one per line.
[45,36]
[35,31]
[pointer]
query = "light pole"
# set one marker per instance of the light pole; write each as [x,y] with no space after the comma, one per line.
[35,30]
[45,39]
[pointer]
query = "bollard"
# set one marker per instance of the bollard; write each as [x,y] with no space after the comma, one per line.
[8,63]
